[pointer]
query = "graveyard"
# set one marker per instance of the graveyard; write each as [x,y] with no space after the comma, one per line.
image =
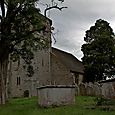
[84,105]
[38,77]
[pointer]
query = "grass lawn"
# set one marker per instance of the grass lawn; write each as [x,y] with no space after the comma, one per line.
[28,106]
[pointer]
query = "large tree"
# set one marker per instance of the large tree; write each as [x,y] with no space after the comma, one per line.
[99,52]
[19,21]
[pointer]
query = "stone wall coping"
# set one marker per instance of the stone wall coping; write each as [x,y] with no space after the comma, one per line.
[56,86]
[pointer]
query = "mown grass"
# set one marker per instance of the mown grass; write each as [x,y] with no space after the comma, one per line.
[28,106]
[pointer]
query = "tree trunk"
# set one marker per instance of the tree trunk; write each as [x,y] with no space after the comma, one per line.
[3,80]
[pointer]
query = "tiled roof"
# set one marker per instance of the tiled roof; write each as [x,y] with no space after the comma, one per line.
[69,60]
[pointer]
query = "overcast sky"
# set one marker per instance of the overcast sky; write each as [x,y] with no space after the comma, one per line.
[71,23]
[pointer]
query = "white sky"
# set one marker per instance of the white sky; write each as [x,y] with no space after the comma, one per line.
[80,15]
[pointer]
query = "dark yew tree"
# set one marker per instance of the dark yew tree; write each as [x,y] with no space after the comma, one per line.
[99,52]
[19,22]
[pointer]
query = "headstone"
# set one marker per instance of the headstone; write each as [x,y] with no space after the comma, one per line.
[108,90]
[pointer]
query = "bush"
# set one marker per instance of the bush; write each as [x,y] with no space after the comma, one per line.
[104,101]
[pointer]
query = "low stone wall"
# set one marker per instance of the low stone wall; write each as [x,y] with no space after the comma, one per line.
[56,95]
[104,89]
[87,89]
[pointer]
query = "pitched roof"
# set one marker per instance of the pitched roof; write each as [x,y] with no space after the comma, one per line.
[70,61]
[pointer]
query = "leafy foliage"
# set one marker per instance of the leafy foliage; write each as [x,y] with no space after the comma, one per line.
[22,30]
[99,52]
[104,101]
[21,24]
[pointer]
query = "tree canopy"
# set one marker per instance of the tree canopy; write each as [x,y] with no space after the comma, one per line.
[19,23]
[99,52]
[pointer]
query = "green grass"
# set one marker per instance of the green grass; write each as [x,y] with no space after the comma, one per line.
[24,106]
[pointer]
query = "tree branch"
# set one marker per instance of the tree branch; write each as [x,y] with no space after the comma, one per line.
[2,8]
[53,7]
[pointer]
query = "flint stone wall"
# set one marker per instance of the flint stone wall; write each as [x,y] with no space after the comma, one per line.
[104,89]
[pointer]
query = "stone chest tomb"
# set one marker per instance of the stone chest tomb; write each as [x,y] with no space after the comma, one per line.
[56,95]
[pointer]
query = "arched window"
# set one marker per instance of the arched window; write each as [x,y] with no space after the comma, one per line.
[26,93]
[18,80]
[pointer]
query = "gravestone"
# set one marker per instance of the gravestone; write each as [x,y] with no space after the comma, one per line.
[108,90]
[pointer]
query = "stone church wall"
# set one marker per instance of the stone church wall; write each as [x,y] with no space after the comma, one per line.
[22,85]
[20,82]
